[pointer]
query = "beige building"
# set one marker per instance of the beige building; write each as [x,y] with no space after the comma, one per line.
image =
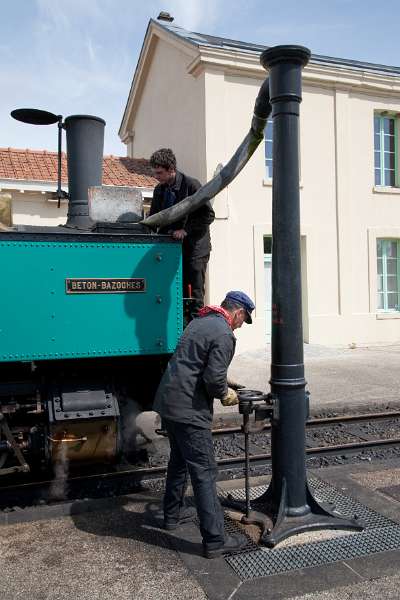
[195,93]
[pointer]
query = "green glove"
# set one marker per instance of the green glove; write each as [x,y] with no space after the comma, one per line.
[230,398]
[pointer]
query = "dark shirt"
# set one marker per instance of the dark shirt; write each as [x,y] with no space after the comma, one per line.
[197,372]
[197,243]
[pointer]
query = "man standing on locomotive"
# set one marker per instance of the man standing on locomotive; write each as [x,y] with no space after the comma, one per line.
[195,375]
[193,230]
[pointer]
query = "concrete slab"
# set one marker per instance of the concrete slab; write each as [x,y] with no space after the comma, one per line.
[376,565]
[393,490]
[279,587]
[215,577]
[377,477]
[386,587]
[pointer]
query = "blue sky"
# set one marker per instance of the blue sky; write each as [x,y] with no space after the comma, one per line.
[79,56]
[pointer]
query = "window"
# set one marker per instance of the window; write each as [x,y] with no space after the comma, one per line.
[268,148]
[267,244]
[385,147]
[268,285]
[388,265]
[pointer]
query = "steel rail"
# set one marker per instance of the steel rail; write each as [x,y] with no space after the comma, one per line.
[317,451]
[316,422]
[140,474]
[229,430]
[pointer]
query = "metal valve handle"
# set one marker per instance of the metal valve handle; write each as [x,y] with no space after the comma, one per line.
[247,398]
[249,401]
[245,394]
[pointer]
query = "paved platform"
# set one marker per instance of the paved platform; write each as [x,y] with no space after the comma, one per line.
[339,378]
[113,553]
[118,551]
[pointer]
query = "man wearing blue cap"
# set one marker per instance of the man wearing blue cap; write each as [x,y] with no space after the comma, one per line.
[195,375]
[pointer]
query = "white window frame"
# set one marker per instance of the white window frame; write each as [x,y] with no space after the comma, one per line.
[383,262]
[375,233]
[381,153]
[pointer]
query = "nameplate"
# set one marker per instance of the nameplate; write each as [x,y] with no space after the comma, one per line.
[105,286]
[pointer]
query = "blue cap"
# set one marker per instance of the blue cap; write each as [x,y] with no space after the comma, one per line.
[242,299]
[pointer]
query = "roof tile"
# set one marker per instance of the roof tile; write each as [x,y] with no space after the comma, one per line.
[41,165]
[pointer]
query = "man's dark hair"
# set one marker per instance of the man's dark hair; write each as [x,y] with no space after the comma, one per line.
[229,305]
[164,157]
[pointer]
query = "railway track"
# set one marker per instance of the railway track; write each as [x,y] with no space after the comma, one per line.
[319,421]
[15,497]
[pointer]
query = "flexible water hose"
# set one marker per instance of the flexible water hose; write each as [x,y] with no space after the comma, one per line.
[262,110]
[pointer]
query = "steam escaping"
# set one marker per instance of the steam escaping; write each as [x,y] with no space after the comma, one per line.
[262,110]
[137,428]
[59,487]
[138,435]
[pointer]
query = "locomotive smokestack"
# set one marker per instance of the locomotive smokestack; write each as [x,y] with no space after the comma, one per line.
[85,142]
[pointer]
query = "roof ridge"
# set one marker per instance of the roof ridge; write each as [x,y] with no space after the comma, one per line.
[198,38]
[45,152]
[29,151]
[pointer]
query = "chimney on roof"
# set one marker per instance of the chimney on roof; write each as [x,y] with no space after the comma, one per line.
[165,16]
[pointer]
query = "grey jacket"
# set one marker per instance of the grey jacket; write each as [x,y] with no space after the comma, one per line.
[197,243]
[196,373]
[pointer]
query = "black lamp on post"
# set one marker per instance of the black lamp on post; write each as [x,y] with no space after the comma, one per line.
[35,116]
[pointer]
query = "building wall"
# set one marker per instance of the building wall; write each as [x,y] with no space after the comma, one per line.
[171,111]
[37,208]
[364,213]
[243,210]
[31,208]
[342,213]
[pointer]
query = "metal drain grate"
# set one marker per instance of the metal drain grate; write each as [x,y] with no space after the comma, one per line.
[239,494]
[262,563]
[381,534]
[347,506]
[232,528]
[326,493]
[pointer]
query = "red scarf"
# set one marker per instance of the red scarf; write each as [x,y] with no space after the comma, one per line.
[206,310]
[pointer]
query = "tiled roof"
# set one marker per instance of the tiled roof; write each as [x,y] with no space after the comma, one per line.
[40,165]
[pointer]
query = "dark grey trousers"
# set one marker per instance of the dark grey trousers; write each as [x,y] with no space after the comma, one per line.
[192,452]
[194,274]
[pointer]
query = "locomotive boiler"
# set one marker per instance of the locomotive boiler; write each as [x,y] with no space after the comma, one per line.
[89,314]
